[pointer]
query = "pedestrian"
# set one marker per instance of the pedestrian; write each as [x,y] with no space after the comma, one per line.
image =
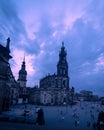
[94,126]
[40,117]
[76,123]
[88,124]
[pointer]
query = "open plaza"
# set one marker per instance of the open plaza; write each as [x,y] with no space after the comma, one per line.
[80,116]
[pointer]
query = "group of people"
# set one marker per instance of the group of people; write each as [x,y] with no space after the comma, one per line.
[92,122]
[98,125]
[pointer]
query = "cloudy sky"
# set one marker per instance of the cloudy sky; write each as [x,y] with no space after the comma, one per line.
[38,27]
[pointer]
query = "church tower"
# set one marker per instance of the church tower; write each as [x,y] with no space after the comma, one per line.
[22,75]
[62,67]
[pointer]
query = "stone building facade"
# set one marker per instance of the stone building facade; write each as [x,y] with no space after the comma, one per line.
[11,91]
[85,95]
[8,84]
[54,89]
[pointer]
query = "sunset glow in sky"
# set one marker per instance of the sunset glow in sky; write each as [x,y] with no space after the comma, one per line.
[38,27]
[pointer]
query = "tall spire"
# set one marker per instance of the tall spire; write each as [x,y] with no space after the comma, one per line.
[24,57]
[8,44]
[23,65]
[62,44]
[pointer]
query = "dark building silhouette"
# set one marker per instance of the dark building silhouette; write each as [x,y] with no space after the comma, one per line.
[8,85]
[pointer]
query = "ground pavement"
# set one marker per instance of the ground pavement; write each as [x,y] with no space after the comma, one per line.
[20,126]
[60,118]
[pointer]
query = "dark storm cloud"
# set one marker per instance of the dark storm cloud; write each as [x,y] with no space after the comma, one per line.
[39,27]
[33,47]
[10,24]
[86,47]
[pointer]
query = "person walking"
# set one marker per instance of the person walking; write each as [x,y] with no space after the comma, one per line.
[40,117]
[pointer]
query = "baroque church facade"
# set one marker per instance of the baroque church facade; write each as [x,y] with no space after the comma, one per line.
[54,89]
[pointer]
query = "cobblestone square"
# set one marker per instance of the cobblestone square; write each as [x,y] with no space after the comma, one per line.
[63,117]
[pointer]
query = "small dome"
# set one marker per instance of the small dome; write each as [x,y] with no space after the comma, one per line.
[24,72]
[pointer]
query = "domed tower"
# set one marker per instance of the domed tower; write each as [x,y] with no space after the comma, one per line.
[22,75]
[62,67]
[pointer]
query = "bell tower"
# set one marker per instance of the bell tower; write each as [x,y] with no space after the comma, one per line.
[62,66]
[22,75]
